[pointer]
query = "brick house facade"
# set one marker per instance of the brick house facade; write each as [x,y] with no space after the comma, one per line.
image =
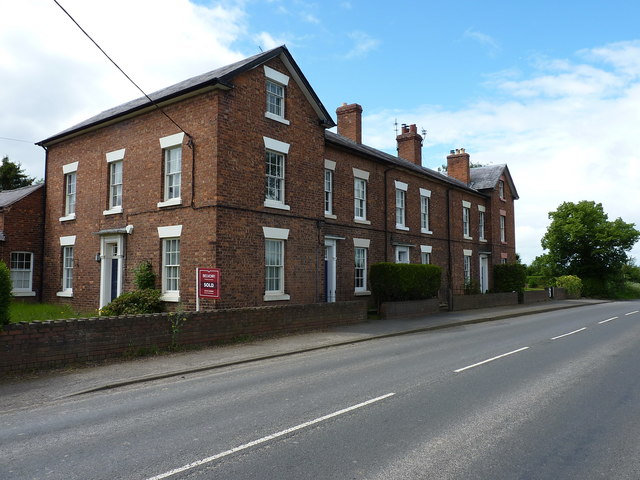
[242,174]
[21,237]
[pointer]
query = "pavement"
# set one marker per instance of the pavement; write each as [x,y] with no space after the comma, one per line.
[38,388]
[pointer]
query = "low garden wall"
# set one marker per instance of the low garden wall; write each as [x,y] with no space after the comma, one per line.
[57,343]
[414,308]
[486,300]
[535,296]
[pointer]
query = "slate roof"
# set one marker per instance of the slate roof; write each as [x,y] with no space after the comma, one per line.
[486,178]
[222,77]
[400,162]
[9,197]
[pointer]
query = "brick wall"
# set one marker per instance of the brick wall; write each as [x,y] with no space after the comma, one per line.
[23,229]
[57,343]
[468,302]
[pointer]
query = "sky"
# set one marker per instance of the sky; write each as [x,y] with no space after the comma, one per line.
[550,88]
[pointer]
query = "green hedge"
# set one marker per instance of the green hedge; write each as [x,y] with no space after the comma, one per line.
[571,283]
[509,277]
[139,301]
[5,293]
[394,282]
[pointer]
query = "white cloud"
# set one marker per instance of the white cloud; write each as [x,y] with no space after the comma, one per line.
[266,41]
[363,44]
[53,76]
[483,39]
[571,137]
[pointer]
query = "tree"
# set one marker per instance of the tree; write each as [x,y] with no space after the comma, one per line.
[12,175]
[582,241]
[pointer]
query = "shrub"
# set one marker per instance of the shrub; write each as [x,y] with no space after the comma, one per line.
[145,278]
[139,301]
[509,277]
[571,283]
[393,282]
[5,293]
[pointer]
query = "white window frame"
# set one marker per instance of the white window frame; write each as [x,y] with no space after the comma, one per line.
[466,220]
[425,200]
[275,236]
[167,234]
[114,159]
[70,172]
[361,245]
[425,254]
[276,147]
[482,223]
[67,245]
[17,271]
[329,170]
[467,256]
[501,189]
[401,205]
[503,228]
[277,80]
[360,181]
[401,249]
[168,144]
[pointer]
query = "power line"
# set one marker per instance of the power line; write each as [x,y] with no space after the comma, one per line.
[121,71]
[16,140]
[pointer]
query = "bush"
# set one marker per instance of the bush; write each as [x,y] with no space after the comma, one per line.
[139,301]
[509,277]
[5,293]
[145,278]
[571,283]
[394,282]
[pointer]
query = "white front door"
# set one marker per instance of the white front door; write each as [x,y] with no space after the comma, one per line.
[330,261]
[484,273]
[111,268]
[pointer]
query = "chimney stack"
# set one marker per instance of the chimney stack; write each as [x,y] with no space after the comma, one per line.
[350,121]
[410,144]
[458,165]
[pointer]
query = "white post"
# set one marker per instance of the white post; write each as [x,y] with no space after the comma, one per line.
[197,293]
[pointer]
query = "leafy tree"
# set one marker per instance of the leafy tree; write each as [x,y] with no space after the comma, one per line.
[582,241]
[12,175]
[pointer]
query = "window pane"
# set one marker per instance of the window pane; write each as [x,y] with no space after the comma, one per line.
[275,99]
[171,267]
[67,268]
[70,199]
[274,265]
[360,268]
[115,178]
[274,186]
[172,171]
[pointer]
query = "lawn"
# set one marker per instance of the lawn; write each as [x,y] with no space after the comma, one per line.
[40,312]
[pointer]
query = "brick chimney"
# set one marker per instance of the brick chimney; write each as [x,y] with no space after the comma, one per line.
[410,144]
[458,165]
[350,121]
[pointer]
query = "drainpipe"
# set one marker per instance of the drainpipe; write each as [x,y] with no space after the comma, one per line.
[44,223]
[192,145]
[449,259]
[386,217]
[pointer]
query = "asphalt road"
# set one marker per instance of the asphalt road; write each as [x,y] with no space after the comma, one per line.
[548,396]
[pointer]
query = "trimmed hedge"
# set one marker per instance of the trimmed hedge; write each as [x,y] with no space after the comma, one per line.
[139,301]
[396,282]
[5,293]
[509,277]
[571,283]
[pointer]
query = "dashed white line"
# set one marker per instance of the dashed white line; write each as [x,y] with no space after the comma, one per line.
[268,438]
[607,320]
[631,313]
[570,333]
[489,360]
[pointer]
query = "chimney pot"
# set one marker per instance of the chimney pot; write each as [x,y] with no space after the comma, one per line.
[410,144]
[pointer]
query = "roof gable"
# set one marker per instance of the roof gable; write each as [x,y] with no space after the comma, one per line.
[9,197]
[219,78]
[486,178]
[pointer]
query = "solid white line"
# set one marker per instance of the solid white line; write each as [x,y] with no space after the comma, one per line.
[570,333]
[631,313]
[607,320]
[268,438]
[489,360]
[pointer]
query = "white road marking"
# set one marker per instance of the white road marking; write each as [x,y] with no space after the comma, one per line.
[607,320]
[570,333]
[631,313]
[268,438]
[489,360]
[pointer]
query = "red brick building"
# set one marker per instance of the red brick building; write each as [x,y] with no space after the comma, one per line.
[236,169]
[21,237]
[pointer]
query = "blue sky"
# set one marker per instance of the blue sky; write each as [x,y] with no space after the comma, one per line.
[550,88]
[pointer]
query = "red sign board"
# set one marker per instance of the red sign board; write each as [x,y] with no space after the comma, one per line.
[208,282]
